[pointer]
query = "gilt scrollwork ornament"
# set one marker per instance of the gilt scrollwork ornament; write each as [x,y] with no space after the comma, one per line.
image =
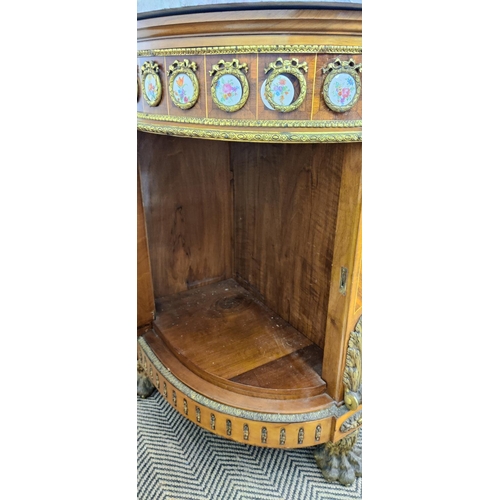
[183,85]
[279,90]
[352,422]
[229,85]
[151,83]
[342,86]
[352,371]
[229,427]
[246,432]
[185,404]
[198,414]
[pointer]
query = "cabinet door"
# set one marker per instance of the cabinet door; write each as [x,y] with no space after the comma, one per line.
[145,298]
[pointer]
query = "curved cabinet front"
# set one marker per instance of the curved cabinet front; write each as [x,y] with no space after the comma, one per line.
[269,87]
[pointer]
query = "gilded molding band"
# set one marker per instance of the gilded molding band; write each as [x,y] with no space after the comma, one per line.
[249,49]
[352,371]
[252,123]
[333,411]
[233,135]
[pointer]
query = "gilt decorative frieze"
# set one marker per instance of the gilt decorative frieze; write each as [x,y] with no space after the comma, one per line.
[250,136]
[352,422]
[249,49]
[352,371]
[224,122]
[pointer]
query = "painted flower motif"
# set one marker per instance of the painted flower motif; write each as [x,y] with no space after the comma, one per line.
[280,90]
[228,91]
[150,88]
[344,90]
[181,92]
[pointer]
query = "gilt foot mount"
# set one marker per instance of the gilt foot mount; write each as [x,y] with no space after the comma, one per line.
[144,386]
[339,461]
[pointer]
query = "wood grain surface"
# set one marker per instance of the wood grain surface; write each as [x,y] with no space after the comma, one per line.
[341,307]
[187,192]
[221,331]
[286,199]
[145,299]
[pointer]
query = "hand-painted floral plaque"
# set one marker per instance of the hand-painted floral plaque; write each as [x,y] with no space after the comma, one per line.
[183,87]
[229,85]
[279,90]
[342,86]
[151,83]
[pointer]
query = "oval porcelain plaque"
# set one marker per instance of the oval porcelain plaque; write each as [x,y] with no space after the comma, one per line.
[183,88]
[342,89]
[282,90]
[228,90]
[151,87]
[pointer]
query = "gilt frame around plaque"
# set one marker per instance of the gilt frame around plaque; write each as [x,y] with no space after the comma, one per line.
[187,68]
[291,67]
[235,69]
[336,68]
[151,69]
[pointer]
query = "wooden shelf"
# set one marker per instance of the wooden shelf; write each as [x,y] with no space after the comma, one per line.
[226,336]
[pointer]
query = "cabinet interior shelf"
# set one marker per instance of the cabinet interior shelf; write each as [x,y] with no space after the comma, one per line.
[228,337]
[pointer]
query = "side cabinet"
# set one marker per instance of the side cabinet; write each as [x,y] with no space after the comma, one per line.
[249,226]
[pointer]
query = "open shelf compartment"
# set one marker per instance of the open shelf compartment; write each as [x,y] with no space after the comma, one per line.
[224,334]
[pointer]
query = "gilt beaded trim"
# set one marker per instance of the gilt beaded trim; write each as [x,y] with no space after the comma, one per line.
[249,49]
[224,122]
[233,135]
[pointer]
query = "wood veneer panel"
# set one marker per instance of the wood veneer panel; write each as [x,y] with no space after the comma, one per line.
[286,199]
[187,195]
[347,254]
[301,368]
[269,22]
[222,330]
[145,299]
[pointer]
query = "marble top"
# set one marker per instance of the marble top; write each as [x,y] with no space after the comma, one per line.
[155,8]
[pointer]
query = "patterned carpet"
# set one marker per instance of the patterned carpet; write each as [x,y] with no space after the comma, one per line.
[178,460]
